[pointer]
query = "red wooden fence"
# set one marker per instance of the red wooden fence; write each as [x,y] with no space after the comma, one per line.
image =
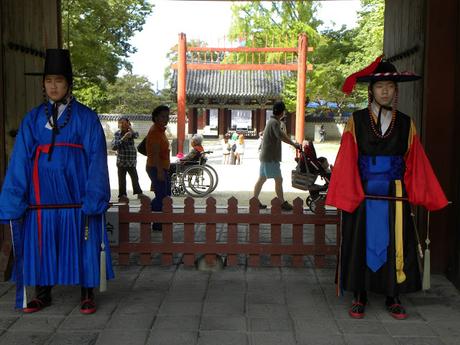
[253,248]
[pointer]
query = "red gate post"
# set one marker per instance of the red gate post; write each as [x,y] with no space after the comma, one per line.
[301,86]
[181,88]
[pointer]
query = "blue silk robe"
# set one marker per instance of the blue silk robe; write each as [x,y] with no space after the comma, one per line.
[53,243]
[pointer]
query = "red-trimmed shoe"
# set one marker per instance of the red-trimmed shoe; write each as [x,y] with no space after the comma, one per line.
[397,311]
[88,306]
[42,299]
[357,310]
[35,305]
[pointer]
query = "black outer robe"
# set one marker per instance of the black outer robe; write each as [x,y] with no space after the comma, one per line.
[354,275]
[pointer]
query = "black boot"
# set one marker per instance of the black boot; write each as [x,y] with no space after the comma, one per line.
[358,305]
[42,299]
[88,306]
[395,308]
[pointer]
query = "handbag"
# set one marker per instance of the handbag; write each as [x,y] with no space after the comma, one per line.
[142,147]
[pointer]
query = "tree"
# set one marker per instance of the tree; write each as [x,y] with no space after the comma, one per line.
[275,23]
[337,53]
[132,94]
[97,33]
[368,39]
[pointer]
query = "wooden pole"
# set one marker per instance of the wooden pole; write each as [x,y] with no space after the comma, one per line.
[301,83]
[181,84]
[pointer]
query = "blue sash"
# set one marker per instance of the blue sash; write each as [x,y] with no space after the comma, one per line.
[377,172]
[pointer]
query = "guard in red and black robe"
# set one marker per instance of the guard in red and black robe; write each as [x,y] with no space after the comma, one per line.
[380,155]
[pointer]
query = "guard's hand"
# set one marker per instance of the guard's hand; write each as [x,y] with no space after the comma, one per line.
[297,146]
[160,175]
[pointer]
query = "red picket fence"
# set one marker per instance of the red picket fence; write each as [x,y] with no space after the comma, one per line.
[253,247]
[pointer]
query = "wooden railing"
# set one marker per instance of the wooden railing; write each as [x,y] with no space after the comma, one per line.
[252,247]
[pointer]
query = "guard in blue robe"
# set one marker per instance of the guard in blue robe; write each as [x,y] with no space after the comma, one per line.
[60,160]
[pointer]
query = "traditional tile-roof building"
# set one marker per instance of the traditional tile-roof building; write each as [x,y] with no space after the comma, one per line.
[231,93]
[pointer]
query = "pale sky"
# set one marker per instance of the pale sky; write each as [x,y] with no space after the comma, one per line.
[208,21]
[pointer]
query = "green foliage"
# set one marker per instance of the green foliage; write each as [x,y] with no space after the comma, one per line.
[132,94]
[337,53]
[97,34]
[276,23]
[91,94]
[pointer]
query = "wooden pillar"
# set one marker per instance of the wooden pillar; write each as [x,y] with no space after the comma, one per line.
[262,119]
[181,84]
[254,116]
[192,120]
[301,85]
[228,119]
[207,117]
[202,119]
[221,125]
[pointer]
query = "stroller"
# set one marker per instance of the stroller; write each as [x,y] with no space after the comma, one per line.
[309,167]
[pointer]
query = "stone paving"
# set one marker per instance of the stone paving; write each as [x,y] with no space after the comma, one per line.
[235,306]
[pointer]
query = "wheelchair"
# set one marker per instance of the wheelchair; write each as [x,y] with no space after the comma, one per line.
[196,179]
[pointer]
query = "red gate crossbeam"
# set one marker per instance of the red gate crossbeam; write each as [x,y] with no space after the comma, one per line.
[248,49]
[243,67]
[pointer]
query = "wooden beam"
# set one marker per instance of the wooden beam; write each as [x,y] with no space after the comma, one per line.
[237,67]
[247,49]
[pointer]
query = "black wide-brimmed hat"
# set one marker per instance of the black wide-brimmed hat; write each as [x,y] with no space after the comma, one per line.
[379,70]
[57,61]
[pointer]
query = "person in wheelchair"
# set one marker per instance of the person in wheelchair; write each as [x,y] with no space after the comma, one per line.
[193,157]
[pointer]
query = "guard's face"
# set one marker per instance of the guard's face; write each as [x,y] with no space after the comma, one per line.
[56,87]
[384,92]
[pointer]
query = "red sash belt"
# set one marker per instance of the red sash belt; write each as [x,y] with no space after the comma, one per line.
[36,182]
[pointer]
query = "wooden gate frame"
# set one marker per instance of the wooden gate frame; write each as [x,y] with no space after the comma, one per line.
[300,66]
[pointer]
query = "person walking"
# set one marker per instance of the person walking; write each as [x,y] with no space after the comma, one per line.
[158,160]
[226,149]
[270,155]
[123,143]
[55,194]
[380,170]
[239,152]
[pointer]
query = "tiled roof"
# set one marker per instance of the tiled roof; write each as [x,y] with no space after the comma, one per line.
[230,86]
